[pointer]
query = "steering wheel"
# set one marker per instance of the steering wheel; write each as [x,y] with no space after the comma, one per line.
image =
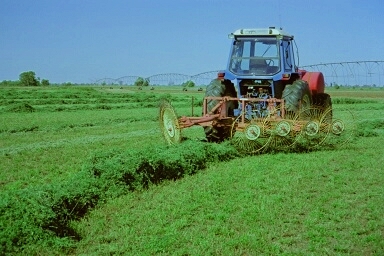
[270,62]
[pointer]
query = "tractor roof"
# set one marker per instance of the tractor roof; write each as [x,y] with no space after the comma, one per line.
[271,31]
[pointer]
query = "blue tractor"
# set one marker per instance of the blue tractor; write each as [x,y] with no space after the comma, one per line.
[262,99]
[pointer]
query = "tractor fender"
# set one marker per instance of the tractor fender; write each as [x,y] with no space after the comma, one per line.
[315,81]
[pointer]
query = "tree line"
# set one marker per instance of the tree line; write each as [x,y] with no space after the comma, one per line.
[145,82]
[27,78]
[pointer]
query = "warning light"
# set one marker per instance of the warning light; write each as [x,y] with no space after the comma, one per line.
[286,76]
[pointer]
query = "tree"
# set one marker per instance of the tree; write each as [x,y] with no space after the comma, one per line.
[28,79]
[9,83]
[45,82]
[189,83]
[141,82]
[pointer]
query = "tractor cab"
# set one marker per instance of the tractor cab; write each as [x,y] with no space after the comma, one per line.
[261,59]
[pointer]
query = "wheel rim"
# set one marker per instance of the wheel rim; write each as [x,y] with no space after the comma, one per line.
[283,128]
[252,138]
[284,133]
[342,128]
[337,127]
[312,128]
[169,123]
[315,127]
[252,132]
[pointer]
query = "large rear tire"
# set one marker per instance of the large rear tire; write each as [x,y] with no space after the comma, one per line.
[297,96]
[324,103]
[218,88]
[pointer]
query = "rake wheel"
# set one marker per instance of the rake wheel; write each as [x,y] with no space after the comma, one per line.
[315,126]
[284,132]
[251,138]
[342,128]
[169,123]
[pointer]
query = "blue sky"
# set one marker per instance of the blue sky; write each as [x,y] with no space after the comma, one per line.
[81,41]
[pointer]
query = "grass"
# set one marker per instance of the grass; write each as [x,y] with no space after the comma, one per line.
[317,203]
[48,142]
[328,201]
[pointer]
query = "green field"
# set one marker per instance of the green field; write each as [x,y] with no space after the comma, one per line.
[85,171]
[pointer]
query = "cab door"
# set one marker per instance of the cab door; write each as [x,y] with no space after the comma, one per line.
[288,61]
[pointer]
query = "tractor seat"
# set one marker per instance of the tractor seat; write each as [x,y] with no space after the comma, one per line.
[272,69]
[257,64]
